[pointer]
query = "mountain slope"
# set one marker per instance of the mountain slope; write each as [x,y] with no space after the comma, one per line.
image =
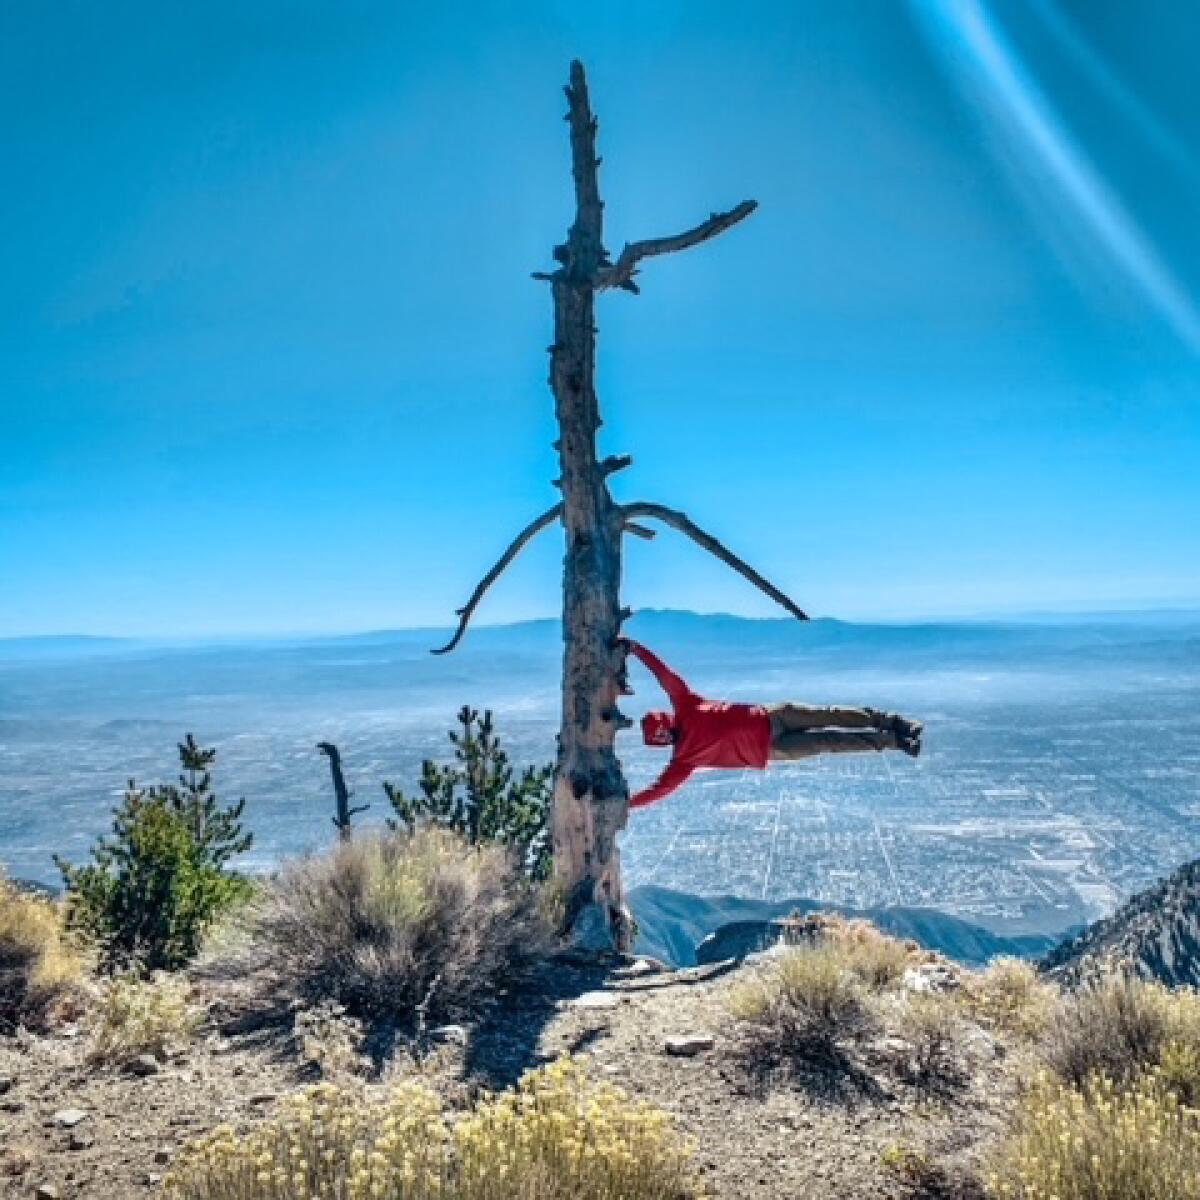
[1156,934]
[672,924]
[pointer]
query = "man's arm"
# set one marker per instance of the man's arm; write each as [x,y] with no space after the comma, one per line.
[674,776]
[670,683]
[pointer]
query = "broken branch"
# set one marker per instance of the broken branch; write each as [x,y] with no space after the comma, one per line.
[518,544]
[640,531]
[614,463]
[680,521]
[621,273]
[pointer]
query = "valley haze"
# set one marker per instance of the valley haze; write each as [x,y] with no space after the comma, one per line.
[1059,776]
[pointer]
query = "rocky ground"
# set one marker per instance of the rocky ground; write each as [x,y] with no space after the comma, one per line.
[70,1130]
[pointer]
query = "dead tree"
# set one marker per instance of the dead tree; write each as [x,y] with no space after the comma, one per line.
[590,793]
[340,792]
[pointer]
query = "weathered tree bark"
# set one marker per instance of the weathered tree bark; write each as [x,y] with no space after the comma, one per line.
[590,794]
[340,792]
[591,798]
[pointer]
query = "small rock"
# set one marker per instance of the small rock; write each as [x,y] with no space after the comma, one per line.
[688,1045]
[144,1064]
[595,1001]
[162,1155]
[263,1098]
[450,1035]
[46,1191]
[640,968]
[81,1140]
[153,1179]
[6,1084]
[68,1118]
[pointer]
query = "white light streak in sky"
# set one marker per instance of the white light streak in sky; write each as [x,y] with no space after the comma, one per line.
[1117,91]
[982,61]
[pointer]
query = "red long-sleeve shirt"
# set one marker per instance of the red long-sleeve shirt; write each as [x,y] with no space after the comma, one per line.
[708,733]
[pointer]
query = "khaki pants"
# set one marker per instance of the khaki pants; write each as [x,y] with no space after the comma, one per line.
[803,730]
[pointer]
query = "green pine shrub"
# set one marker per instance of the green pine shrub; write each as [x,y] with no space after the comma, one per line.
[161,878]
[481,797]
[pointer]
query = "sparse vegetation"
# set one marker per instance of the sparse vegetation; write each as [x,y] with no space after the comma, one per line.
[1009,996]
[1116,1028]
[557,1137]
[161,878]
[878,960]
[39,968]
[1100,1142]
[142,1016]
[389,925]
[481,797]
[931,1023]
[804,1002]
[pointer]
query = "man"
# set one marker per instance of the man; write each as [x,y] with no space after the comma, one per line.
[713,733]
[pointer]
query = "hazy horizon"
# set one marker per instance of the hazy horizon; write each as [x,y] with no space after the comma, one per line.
[1183,609]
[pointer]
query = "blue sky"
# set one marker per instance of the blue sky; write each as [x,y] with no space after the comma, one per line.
[271,359]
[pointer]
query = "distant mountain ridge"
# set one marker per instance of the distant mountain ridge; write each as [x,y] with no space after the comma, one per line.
[672,924]
[1154,934]
[1085,638]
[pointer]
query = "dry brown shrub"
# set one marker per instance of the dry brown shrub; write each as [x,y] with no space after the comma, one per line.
[39,966]
[412,926]
[1009,995]
[803,1002]
[1116,1027]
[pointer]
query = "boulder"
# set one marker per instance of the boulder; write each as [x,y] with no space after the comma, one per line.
[739,939]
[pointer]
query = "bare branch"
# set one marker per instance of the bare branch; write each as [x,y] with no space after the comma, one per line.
[680,521]
[640,531]
[614,463]
[621,273]
[518,544]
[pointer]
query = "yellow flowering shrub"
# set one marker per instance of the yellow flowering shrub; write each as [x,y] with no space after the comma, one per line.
[555,1137]
[141,1016]
[1100,1142]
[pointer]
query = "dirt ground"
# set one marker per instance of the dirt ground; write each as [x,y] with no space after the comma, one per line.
[760,1135]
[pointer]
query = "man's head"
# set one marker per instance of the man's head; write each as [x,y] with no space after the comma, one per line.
[658,729]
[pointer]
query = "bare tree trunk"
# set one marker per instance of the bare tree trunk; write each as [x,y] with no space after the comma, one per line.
[591,799]
[341,794]
[590,794]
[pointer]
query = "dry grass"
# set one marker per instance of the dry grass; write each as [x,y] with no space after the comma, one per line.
[39,967]
[1100,1142]
[1009,996]
[933,1026]
[876,959]
[1117,1028]
[410,926]
[557,1137]
[804,1002]
[136,1017]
